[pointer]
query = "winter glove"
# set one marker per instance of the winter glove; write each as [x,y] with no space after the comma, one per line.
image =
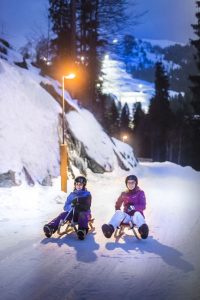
[131,208]
[74,202]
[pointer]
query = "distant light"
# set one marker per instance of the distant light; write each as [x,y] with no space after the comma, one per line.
[82,58]
[140,86]
[124,138]
[106,57]
[100,78]
[98,85]
[115,41]
[48,62]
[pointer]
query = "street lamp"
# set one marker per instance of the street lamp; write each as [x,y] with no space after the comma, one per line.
[124,138]
[63,146]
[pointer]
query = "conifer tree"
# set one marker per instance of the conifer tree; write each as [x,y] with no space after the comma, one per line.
[140,137]
[62,16]
[195,88]
[114,126]
[160,115]
[125,120]
[89,24]
[195,79]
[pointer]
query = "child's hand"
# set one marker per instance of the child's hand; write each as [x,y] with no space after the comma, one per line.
[74,202]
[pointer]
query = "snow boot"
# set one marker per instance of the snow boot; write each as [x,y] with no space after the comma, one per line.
[81,233]
[144,231]
[48,230]
[108,230]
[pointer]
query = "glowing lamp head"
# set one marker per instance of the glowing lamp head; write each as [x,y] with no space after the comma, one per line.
[70,76]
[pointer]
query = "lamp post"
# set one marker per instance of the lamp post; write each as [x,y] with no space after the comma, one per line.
[63,146]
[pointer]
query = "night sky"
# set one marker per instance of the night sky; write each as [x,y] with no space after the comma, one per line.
[166,19]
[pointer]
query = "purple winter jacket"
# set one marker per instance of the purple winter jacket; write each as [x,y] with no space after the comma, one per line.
[135,197]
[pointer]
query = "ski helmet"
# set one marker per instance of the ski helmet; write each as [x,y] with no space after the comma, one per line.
[131,177]
[80,179]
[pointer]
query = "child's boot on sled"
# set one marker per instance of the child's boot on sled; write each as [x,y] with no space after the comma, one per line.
[108,230]
[144,231]
[48,230]
[81,233]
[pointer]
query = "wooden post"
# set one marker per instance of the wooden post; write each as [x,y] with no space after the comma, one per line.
[63,167]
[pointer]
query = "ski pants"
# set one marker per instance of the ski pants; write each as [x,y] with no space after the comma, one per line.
[81,217]
[120,216]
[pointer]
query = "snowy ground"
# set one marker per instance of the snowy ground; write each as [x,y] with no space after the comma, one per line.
[165,266]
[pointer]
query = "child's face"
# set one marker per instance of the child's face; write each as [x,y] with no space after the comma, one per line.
[78,186]
[131,184]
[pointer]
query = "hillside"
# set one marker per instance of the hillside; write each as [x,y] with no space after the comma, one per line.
[31,129]
[140,56]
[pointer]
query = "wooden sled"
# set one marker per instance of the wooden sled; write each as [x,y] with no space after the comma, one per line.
[119,231]
[66,227]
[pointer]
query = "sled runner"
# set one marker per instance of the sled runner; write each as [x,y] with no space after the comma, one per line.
[66,227]
[119,231]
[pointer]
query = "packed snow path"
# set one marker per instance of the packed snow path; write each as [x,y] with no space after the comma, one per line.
[165,266]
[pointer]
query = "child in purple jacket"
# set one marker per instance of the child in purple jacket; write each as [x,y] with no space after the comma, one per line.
[134,203]
[77,207]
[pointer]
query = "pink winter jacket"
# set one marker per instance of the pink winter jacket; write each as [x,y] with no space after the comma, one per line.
[128,198]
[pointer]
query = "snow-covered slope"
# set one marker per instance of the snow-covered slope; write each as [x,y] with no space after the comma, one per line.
[165,266]
[117,81]
[121,84]
[162,43]
[30,126]
[118,68]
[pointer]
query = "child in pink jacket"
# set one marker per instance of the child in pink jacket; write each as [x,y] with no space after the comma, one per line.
[134,203]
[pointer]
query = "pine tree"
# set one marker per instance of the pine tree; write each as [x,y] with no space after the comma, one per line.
[138,115]
[114,17]
[125,120]
[180,137]
[114,125]
[110,117]
[111,12]
[89,44]
[140,136]
[160,115]
[195,88]
[62,16]
[195,79]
